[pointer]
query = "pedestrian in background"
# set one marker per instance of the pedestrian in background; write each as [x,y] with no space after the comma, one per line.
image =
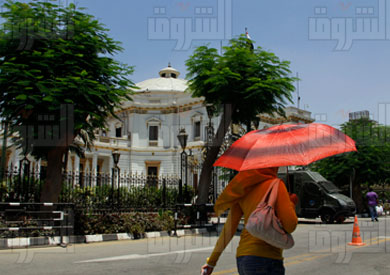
[372,201]
[241,196]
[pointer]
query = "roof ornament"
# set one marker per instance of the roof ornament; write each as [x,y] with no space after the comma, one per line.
[169,72]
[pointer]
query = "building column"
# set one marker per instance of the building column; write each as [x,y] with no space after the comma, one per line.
[76,163]
[69,164]
[110,164]
[93,169]
[15,159]
[76,170]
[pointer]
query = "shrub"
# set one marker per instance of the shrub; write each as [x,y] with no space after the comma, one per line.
[135,223]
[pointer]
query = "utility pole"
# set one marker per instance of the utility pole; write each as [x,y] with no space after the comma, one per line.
[299,98]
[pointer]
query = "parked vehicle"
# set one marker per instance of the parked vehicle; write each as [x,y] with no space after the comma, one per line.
[318,196]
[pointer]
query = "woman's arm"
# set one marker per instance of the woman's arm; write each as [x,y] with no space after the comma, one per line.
[227,233]
[285,209]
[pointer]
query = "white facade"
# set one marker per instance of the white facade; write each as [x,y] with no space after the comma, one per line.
[146,132]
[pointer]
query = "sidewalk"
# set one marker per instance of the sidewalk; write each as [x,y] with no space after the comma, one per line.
[11,243]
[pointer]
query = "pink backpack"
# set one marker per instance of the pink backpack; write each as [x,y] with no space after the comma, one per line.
[265,225]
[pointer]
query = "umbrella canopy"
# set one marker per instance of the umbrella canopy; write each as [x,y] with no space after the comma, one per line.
[285,145]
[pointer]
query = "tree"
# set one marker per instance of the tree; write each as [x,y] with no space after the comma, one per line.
[58,80]
[245,81]
[369,165]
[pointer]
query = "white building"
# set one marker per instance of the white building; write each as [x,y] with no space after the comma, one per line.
[146,132]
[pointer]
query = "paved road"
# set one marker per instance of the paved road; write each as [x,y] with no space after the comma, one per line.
[319,249]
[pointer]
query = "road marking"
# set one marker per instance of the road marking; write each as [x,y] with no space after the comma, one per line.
[144,256]
[225,271]
[306,259]
[297,259]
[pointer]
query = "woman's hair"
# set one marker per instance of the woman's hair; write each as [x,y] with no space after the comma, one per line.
[370,189]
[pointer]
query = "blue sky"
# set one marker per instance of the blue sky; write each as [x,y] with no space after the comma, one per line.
[333,82]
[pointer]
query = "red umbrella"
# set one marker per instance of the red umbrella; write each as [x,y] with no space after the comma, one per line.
[284,145]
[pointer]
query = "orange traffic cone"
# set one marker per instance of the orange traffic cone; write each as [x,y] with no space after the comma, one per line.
[356,239]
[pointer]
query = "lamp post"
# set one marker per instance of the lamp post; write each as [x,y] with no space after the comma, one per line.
[210,130]
[24,178]
[210,136]
[115,173]
[182,137]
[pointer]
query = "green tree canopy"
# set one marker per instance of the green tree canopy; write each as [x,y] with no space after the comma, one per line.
[369,165]
[246,81]
[252,81]
[51,56]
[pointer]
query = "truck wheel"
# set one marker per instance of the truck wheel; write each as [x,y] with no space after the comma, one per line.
[340,219]
[327,216]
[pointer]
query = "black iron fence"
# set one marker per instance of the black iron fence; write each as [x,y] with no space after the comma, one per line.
[21,185]
[112,190]
[99,191]
[123,191]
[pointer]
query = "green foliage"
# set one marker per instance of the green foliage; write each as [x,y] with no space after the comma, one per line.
[244,81]
[52,55]
[147,197]
[87,223]
[258,78]
[26,189]
[134,223]
[28,223]
[370,164]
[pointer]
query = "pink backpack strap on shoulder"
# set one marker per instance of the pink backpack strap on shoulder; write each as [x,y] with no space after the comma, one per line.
[272,193]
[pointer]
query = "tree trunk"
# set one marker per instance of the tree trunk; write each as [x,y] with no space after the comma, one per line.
[212,154]
[53,183]
[357,196]
[248,126]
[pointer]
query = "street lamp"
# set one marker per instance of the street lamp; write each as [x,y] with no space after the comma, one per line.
[116,155]
[115,173]
[182,137]
[210,110]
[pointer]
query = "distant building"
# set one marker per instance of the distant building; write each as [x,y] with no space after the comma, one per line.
[359,115]
[293,115]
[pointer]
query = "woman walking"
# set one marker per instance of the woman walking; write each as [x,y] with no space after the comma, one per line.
[241,196]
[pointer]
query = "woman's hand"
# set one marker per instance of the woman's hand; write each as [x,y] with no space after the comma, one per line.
[294,198]
[206,270]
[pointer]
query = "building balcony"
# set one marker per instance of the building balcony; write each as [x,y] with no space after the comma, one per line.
[114,141]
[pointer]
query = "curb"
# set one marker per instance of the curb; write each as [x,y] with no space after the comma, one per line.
[51,241]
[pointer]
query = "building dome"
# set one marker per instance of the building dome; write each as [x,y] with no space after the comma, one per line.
[169,72]
[167,82]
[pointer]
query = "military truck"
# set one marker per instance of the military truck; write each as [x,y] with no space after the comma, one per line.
[318,197]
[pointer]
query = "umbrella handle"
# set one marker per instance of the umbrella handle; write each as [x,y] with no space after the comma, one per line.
[288,180]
